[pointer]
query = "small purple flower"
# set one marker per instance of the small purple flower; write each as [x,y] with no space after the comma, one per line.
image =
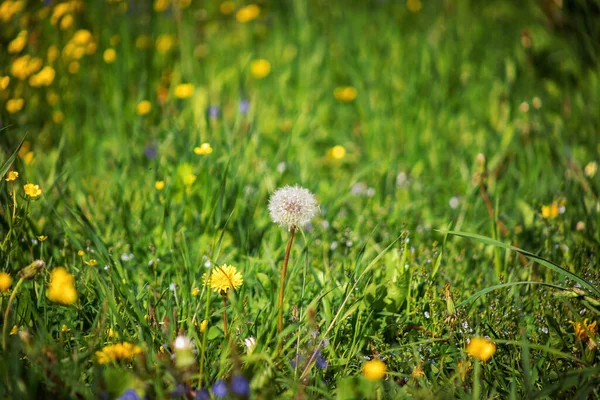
[214,112]
[150,152]
[202,394]
[320,361]
[244,106]
[297,360]
[129,394]
[180,390]
[219,389]
[240,386]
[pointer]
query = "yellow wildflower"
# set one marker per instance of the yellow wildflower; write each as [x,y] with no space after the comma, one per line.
[481,348]
[584,331]
[417,372]
[551,210]
[18,43]
[184,90]
[203,325]
[9,8]
[5,282]
[143,107]
[114,40]
[64,329]
[4,81]
[32,190]
[142,42]
[81,253]
[119,351]
[43,78]
[203,149]
[248,13]
[463,368]
[227,7]
[224,278]
[345,93]
[66,22]
[374,370]
[73,67]
[195,292]
[52,98]
[161,5]
[591,168]
[164,43]
[110,55]
[52,53]
[12,176]
[62,288]
[57,117]
[82,37]
[159,185]
[413,5]
[28,157]
[112,333]
[14,105]
[92,262]
[14,330]
[184,3]
[337,152]
[260,68]
[188,180]
[42,238]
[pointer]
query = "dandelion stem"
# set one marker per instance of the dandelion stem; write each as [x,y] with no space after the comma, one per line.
[224,294]
[282,281]
[6,314]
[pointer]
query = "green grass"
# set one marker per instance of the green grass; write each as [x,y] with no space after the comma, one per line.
[376,275]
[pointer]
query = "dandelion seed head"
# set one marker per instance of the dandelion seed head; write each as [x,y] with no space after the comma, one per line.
[293,206]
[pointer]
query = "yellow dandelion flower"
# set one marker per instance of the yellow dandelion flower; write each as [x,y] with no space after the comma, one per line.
[66,22]
[374,370]
[203,325]
[73,67]
[41,238]
[481,348]
[4,81]
[52,53]
[91,262]
[143,107]
[159,185]
[337,152]
[195,292]
[248,13]
[18,43]
[260,68]
[81,253]
[33,191]
[417,372]
[227,7]
[164,43]
[414,5]
[5,282]
[203,149]
[584,331]
[14,105]
[345,94]
[82,37]
[62,287]
[224,278]
[184,90]
[119,351]
[43,78]
[110,55]
[12,176]
[161,5]
[551,210]
[590,169]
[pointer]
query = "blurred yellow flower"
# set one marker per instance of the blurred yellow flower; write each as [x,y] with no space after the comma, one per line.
[584,331]
[159,185]
[114,40]
[260,68]
[227,7]
[24,66]
[481,348]
[345,93]
[32,190]
[195,292]
[142,42]
[64,329]
[14,105]
[417,372]
[61,288]
[184,90]
[14,330]
[203,325]
[224,278]
[5,282]
[9,8]
[161,5]
[413,5]
[203,149]
[73,67]
[143,107]
[590,169]
[248,13]
[337,152]
[28,157]
[43,78]
[82,37]
[66,22]
[91,48]
[92,262]
[81,253]
[4,81]
[12,176]
[18,43]
[164,43]
[52,98]
[110,55]
[184,3]
[463,368]
[57,117]
[112,333]
[188,180]
[42,238]
[374,370]
[119,351]
[551,210]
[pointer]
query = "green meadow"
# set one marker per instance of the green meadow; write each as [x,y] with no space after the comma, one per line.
[451,150]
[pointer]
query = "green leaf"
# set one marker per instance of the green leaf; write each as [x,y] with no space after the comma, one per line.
[11,159]
[492,288]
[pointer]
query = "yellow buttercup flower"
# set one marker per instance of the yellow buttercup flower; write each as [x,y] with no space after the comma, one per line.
[203,325]
[81,253]
[82,37]
[33,191]
[52,53]
[42,238]
[43,78]
[18,43]
[345,94]
[9,8]
[417,372]
[64,329]
[374,370]
[203,149]
[4,81]
[260,68]
[119,351]
[248,13]
[5,282]
[227,7]
[110,55]
[14,105]
[164,43]
[551,210]
[62,287]
[481,348]
[159,185]
[143,107]
[337,152]
[224,278]
[161,5]
[28,157]
[91,262]
[184,90]
[12,176]
[66,22]
[73,67]
[14,330]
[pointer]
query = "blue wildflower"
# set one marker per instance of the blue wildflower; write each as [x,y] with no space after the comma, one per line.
[244,106]
[320,361]
[180,390]
[240,386]
[219,389]
[213,112]
[202,394]
[129,394]
[150,152]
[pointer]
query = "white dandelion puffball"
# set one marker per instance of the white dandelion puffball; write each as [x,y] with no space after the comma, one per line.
[293,207]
